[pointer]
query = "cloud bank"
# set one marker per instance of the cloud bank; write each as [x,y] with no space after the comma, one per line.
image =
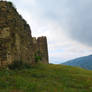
[66,23]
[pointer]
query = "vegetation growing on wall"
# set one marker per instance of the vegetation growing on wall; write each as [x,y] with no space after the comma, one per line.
[38,56]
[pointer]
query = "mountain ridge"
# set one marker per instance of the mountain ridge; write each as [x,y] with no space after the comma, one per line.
[83,62]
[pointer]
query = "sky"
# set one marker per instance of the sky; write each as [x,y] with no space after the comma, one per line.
[66,23]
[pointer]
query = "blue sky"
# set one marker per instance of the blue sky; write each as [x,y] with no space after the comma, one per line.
[66,23]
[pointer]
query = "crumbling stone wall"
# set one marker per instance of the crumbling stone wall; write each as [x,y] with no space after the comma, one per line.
[40,48]
[42,44]
[16,42]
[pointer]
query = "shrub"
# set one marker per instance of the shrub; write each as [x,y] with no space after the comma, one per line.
[38,56]
[18,65]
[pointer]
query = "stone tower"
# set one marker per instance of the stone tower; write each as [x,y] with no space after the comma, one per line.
[16,41]
[42,44]
[40,47]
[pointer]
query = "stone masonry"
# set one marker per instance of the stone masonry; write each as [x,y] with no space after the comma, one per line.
[16,41]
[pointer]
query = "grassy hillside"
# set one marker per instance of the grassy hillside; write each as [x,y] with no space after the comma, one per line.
[46,78]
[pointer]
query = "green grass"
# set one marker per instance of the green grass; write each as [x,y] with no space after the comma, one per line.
[46,78]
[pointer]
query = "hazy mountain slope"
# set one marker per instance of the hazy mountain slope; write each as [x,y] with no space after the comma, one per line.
[46,78]
[84,62]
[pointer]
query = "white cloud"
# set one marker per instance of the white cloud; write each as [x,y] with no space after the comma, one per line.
[51,18]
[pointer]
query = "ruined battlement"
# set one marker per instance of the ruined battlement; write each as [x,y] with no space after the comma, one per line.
[40,45]
[16,41]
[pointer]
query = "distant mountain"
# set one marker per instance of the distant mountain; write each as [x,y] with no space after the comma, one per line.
[83,62]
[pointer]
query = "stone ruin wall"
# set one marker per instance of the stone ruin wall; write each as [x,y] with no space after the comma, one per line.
[16,41]
[40,47]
